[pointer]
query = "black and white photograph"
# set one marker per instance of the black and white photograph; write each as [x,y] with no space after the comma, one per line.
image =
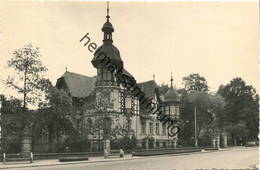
[129,85]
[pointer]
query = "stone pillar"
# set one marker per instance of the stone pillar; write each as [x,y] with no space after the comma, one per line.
[107,145]
[26,143]
[218,142]
[154,144]
[224,141]
[91,145]
[146,144]
[154,135]
[175,144]
[213,142]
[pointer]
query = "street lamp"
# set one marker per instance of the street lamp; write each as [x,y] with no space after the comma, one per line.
[195,126]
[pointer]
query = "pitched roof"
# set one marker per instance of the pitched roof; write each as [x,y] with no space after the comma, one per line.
[78,85]
[148,87]
[127,73]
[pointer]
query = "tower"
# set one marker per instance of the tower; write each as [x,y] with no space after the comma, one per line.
[107,53]
[108,95]
[172,106]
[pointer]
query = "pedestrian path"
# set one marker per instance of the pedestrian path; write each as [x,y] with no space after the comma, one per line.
[54,162]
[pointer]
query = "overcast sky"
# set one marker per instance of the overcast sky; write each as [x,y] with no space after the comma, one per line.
[218,40]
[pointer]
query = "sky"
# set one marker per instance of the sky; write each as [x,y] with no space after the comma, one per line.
[218,40]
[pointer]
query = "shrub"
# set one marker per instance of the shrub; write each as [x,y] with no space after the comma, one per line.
[74,143]
[125,143]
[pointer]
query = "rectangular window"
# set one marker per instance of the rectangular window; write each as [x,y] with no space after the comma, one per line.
[143,127]
[172,110]
[136,106]
[109,75]
[120,101]
[98,74]
[157,129]
[164,130]
[89,125]
[167,109]
[106,75]
[128,104]
[129,124]
[101,74]
[115,100]
[151,128]
[177,110]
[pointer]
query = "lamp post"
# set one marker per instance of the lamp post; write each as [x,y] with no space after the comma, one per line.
[195,126]
[155,133]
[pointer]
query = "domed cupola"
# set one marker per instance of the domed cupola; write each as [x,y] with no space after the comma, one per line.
[107,49]
[172,95]
[107,27]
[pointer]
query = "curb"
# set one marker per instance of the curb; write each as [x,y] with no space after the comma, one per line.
[68,163]
[107,160]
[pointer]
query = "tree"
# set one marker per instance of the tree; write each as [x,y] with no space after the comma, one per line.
[28,73]
[195,82]
[29,69]
[55,117]
[241,111]
[10,124]
[208,109]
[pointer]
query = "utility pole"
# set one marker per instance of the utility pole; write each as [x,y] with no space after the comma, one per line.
[195,126]
[154,129]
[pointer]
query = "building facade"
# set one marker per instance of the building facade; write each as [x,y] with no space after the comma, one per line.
[122,109]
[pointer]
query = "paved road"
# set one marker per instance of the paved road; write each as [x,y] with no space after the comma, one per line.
[234,158]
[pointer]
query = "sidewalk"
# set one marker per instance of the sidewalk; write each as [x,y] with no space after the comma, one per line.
[54,162]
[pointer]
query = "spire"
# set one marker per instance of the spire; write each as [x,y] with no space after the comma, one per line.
[107,28]
[107,11]
[171,81]
[66,68]
[107,47]
[153,76]
[171,95]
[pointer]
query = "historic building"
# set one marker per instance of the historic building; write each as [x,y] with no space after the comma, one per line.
[149,132]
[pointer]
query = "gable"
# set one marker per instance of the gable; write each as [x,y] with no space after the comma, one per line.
[149,88]
[78,85]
